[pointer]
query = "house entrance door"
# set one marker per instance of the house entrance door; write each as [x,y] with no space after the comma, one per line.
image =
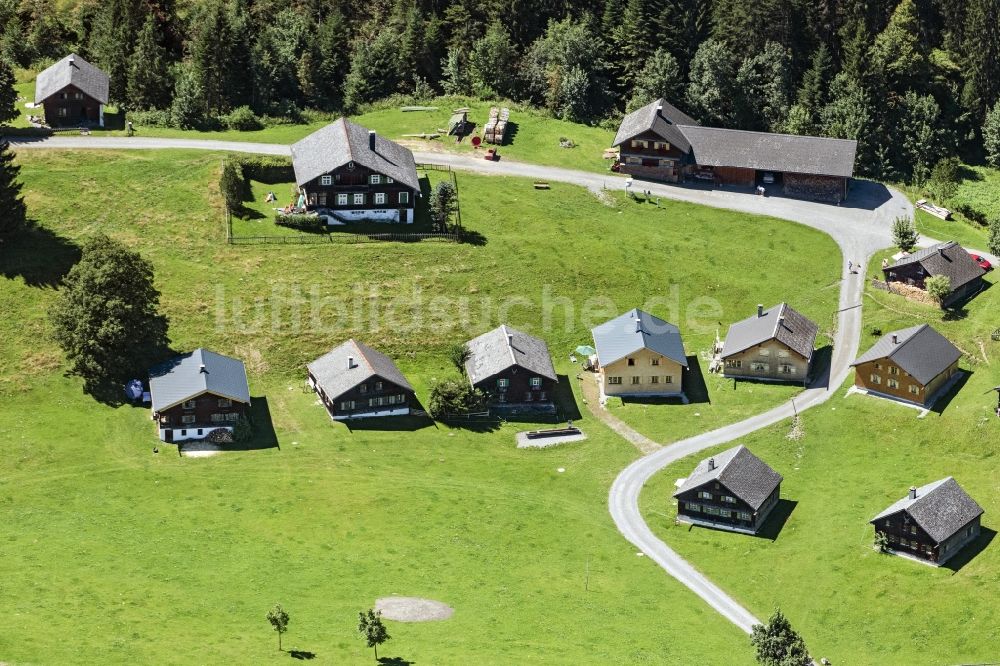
[169,435]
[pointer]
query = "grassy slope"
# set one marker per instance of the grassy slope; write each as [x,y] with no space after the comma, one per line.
[180,557]
[859,455]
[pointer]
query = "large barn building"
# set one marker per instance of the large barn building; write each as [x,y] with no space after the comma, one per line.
[660,142]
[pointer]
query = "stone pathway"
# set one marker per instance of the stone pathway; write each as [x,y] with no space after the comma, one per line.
[592,394]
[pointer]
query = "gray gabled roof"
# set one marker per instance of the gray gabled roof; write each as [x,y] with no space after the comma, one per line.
[346,366]
[919,350]
[941,508]
[782,323]
[181,378]
[745,475]
[792,153]
[342,142]
[505,347]
[664,122]
[635,330]
[72,70]
[948,258]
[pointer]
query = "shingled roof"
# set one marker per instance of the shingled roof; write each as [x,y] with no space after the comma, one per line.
[344,367]
[719,147]
[940,508]
[504,347]
[189,375]
[745,475]
[948,258]
[782,323]
[792,153]
[660,117]
[920,351]
[342,142]
[635,330]
[72,70]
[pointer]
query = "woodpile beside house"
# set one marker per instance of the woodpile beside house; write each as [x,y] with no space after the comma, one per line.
[818,188]
[495,130]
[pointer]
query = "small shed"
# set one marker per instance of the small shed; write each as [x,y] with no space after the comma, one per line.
[458,124]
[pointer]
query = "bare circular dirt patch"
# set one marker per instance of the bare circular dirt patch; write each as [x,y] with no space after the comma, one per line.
[413,609]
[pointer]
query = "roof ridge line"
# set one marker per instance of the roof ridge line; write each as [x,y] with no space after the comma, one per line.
[350,146]
[508,340]
[362,354]
[778,319]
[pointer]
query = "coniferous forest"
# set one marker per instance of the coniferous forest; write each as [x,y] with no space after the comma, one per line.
[914,81]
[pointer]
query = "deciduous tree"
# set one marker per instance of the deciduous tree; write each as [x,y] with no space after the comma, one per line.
[278,618]
[777,644]
[659,77]
[492,63]
[991,136]
[904,234]
[107,318]
[372,629]
[938,287]
[993,236]
[711,91]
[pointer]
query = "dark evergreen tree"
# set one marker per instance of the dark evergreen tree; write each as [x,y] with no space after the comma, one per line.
[982,57]
[150,85]
[112,41]
[374,70]
[15,212]
[211,59]
[322,66]
[682,25]
[8,93]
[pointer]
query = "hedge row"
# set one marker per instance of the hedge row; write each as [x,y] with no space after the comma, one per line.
[313,223]
[239,170]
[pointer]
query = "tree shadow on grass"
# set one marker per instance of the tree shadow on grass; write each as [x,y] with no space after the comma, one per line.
[776,519]
[395,661]
[38,255]
[971,550]
[301,655]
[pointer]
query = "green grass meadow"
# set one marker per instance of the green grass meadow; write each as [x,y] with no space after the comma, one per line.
[858,455]
[113,554]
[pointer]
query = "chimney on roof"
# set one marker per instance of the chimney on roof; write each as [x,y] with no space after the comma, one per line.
[711,464]
[371,140]
[913,492]
[510,339]
[659,108]
[760,309]
[895,339]
[781,321]
[72,61]
[638,325]
[201,368]
[350,362]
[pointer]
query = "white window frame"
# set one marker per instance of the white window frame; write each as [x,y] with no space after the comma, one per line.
[614,381]
[326,180]
[704,494]
[404,197]
[380,198]
[187,418]
[342,199]
[359,198]
[375,179]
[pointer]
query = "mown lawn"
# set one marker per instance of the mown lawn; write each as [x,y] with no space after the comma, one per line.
[112,554]
[859,455]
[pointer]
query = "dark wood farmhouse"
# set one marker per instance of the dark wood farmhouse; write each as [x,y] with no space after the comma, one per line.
[775,344]
[356,381]
[640,355]
[733,490]
[512,368]
[932,523]
[659,142]
[352,174]
[73,93]
[197,393]
[913,365]
[949,259]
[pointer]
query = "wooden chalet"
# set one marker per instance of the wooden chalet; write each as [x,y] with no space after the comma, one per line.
[640,355]
[949,259]
[73,93]
[197,393]
[932,523]
[733,490]
[913,365]
[775,344]
[355,381]
[352,174]
[512,368]
[660,142]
